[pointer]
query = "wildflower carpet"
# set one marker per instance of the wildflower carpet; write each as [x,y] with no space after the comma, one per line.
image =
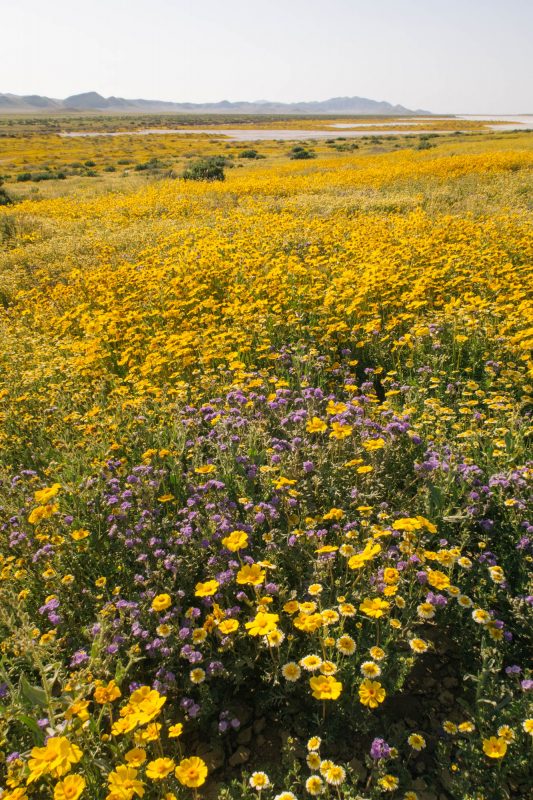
[264,480]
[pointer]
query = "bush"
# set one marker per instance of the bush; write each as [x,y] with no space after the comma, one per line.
[37,177]
[251,153]
[8,229]
[206,169]
[5,199]
[345,147]
[299,153]
[153,163]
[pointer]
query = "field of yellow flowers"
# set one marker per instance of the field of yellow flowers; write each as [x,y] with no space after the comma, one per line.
[264,474]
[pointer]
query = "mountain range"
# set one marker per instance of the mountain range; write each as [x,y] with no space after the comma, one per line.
[92,101]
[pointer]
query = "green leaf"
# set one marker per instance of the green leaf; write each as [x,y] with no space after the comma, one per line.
[504,702]
[436,498]
[30,723]
[120,671]
[34,694]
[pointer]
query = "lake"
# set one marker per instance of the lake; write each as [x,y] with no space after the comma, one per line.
[349,129]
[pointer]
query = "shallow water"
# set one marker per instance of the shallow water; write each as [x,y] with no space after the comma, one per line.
[501,122]
[396,124]
[524,119]
[513,120]
[253,134]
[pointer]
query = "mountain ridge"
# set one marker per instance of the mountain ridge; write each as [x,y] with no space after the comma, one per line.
[93,101]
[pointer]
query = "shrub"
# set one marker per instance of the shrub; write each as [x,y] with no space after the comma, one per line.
[153,163]
[5,199]
[8,230]
[37,177]
[251,153]
[206,169]
[345,147]
[22,177]
[299,153]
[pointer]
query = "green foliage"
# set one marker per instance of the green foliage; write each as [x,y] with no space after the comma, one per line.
[250,153]
[344,147]
[299,153]
[5,199]
[424,143]
[45,175]
[152,164]
[206,169]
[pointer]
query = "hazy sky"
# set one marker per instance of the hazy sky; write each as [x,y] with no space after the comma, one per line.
[450,56]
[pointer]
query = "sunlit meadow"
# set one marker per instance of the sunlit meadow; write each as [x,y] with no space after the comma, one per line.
[264,469]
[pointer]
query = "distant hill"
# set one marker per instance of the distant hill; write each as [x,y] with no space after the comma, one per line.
[92,101]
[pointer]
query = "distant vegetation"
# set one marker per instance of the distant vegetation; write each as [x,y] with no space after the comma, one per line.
[250,153]
[36,177]
[299,153]
[5,199]
[206,169]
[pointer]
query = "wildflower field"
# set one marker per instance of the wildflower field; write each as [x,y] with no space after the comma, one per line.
[265,470]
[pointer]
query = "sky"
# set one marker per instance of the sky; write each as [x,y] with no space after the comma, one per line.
[457,56]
